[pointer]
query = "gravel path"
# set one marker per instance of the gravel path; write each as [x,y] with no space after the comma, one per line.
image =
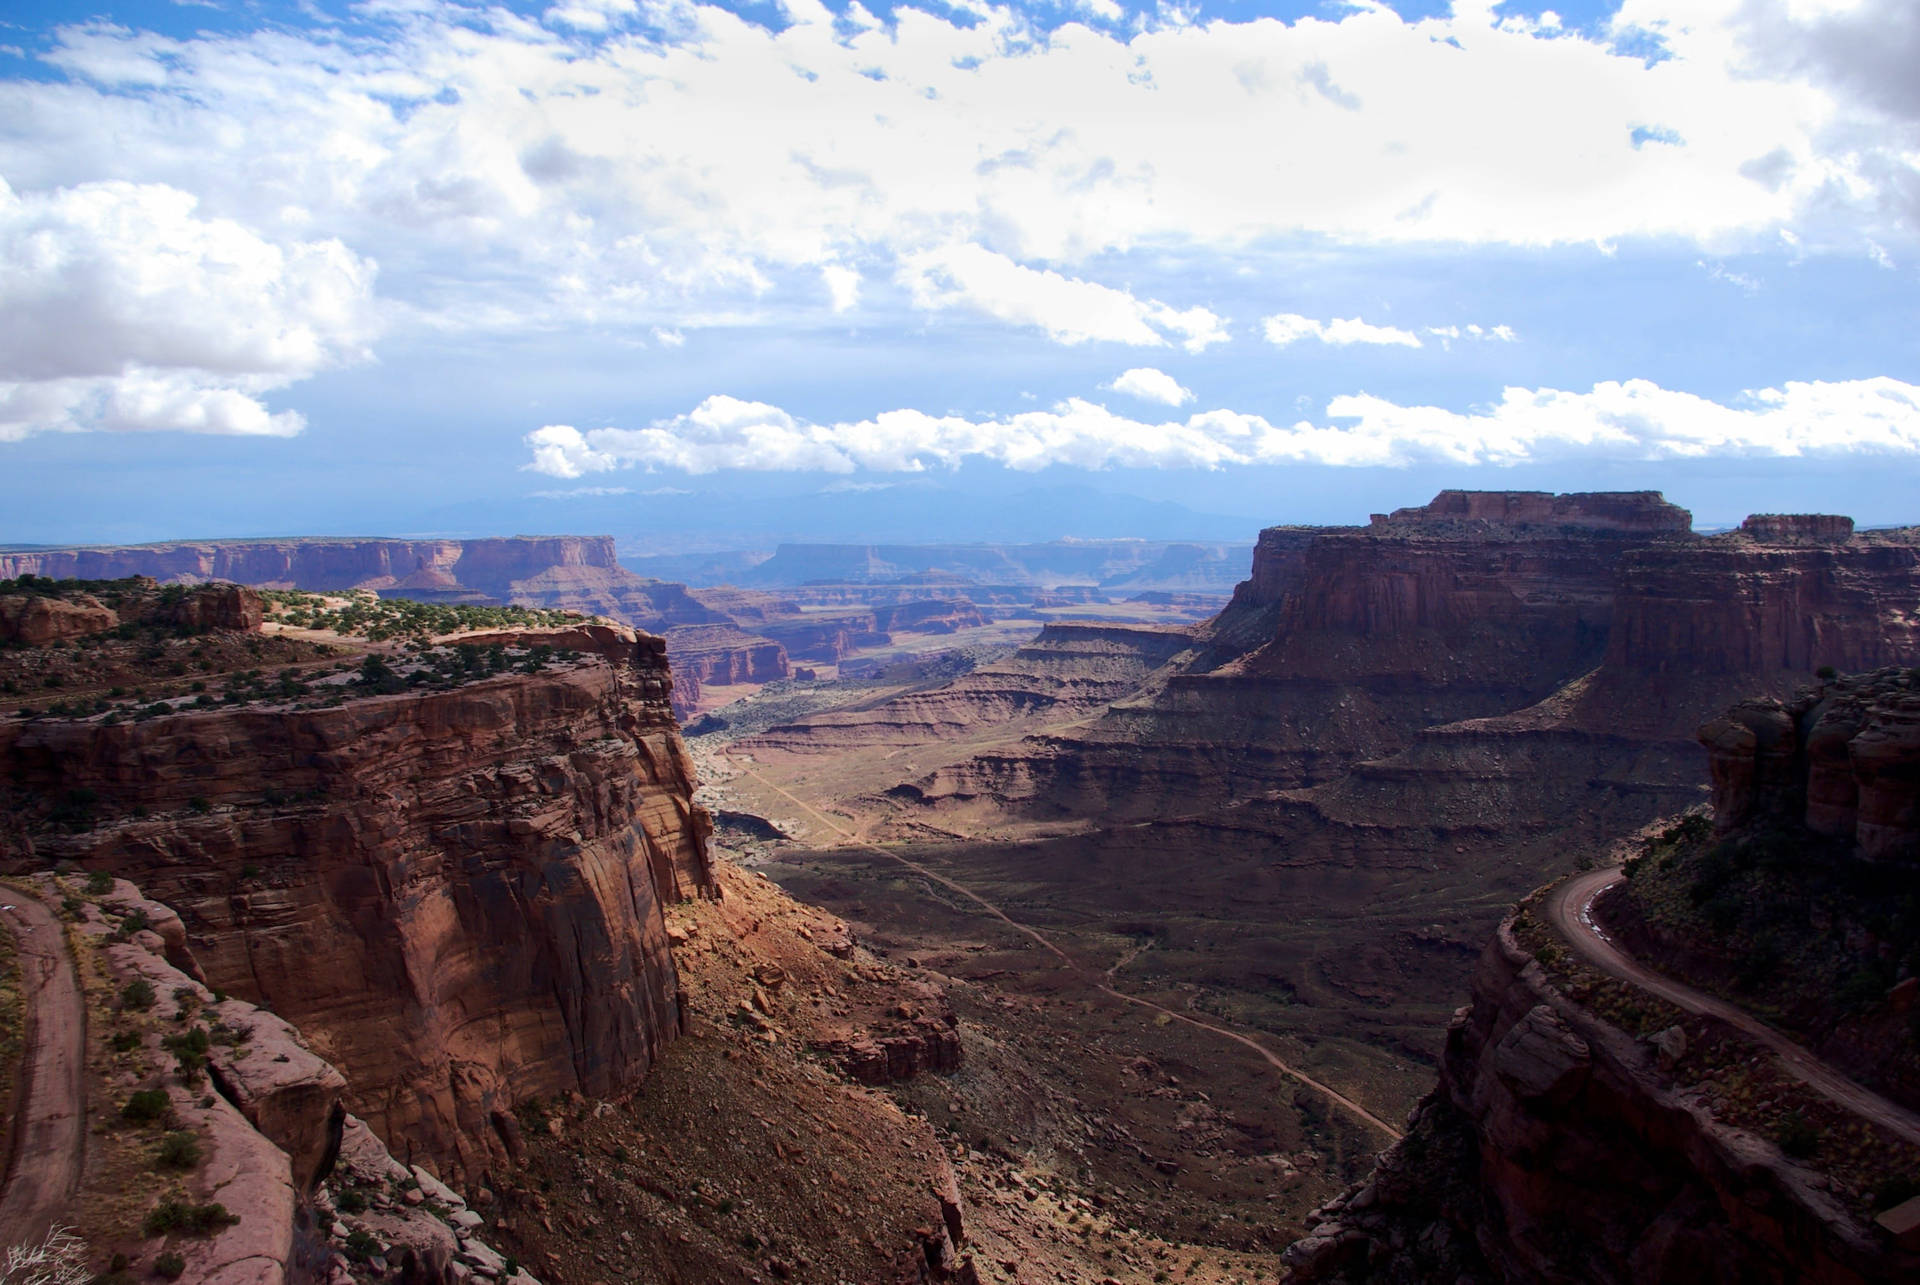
[1570,910]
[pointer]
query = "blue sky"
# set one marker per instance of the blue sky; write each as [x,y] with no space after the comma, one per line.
[730,274]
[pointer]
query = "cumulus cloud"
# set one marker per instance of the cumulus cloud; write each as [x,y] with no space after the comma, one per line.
[1069,310]
[125,309]
[1151,385]
[1632,420]
[1290,327]
[618,162]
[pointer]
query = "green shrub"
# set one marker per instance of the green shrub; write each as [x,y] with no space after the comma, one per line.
[125,1041]
[200,803]
[352,1200]
[99,882]
[188,1220]
[137,994]
[189,1049]
[361,1245]
[180,1149]
[146,1106]
[170,1266]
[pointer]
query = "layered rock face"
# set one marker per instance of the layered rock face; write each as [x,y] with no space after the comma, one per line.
[1641,512]
[1733,605]
[1554,1149]
[1842,758]
[1341,647]
[1066,669]
[456,895]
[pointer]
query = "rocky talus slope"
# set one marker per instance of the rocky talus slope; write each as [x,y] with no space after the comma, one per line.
[457,895]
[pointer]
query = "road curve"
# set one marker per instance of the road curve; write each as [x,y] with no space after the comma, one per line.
[1097,982]
[49,1136]
[1570,910]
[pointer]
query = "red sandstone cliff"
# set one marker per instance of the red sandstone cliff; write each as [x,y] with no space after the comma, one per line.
[1842,759]
[456,895]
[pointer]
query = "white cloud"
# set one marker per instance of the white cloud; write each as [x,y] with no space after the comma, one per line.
[584,492]
[1447,334]
[587,170]
[1069,310]
[1634,420]
[1290,327]
[591,15]
[125,309]
[843,286]
[1152,385]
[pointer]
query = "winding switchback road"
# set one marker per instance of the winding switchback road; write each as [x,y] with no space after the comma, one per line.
[49,1135]
[1570,910]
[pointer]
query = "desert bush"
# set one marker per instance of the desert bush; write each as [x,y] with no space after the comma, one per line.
[180,1149]
[186,1219]
[146,1106]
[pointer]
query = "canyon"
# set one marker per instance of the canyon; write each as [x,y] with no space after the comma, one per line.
[817,604]
[1119,950]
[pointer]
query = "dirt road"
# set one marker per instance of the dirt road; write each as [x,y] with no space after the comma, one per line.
[1570,910]
[1097,981]
[49,1137]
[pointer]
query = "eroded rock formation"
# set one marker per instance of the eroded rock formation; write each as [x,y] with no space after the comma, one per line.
[1842,758]
[456,895]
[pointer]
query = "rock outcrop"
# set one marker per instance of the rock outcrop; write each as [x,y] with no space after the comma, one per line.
[1824,528]
[456,895]
[1841,758]
[1641,512]
[52,612]
[1556,1148]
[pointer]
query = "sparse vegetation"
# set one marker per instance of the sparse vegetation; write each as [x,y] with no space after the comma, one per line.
[147,1105]
[179,1217]
[378,619]
[179,1149]
[137,995]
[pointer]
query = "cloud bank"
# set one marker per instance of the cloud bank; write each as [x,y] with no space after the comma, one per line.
[1634,420]
[124,309]
[617,162]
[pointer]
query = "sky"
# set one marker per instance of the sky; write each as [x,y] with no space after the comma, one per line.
[706,274]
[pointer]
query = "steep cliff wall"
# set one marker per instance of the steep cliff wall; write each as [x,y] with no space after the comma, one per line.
[489,566]
[1340,648]
[1841,759]
[456,895]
